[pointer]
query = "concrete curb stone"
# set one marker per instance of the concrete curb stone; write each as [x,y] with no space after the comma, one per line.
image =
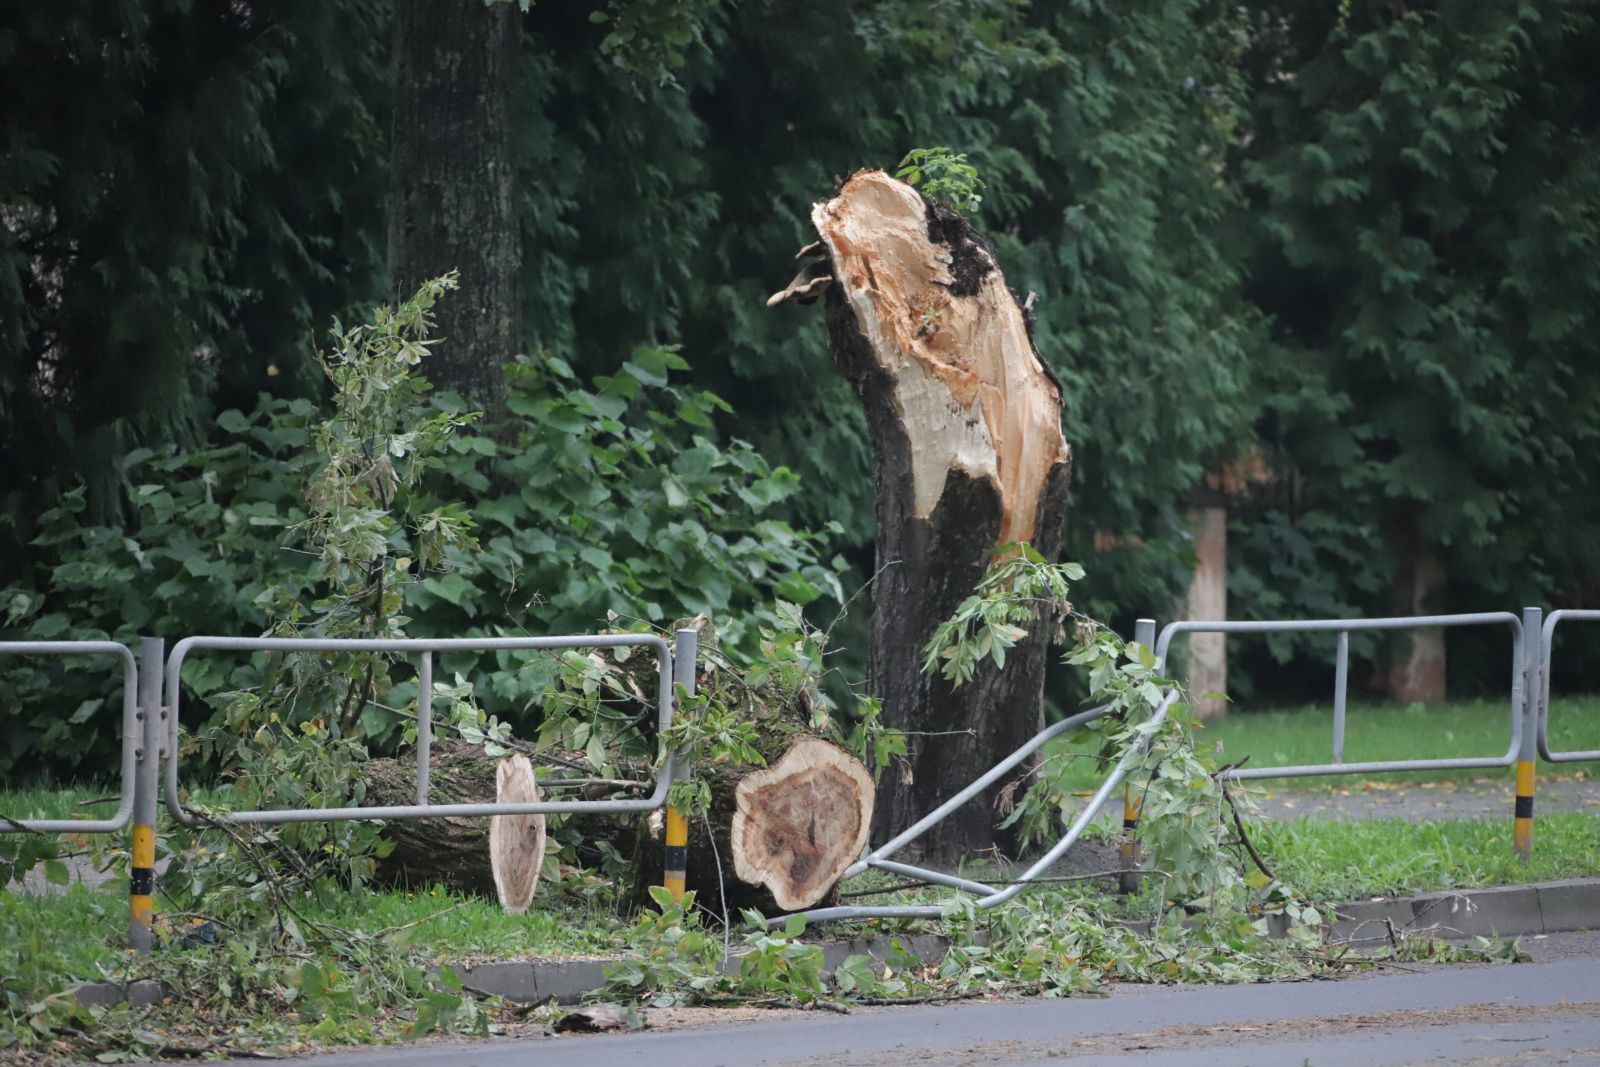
[1505,911]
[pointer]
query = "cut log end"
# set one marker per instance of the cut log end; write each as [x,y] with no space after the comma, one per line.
[516,842]
[798,824]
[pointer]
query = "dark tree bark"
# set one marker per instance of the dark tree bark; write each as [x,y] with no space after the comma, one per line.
[452,205]
[965,420]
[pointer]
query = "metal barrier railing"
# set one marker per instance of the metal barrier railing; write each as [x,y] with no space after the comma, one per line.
[1344,627]
[150,737]
[1546,640]
[151,734]
[132,731]
[426,648]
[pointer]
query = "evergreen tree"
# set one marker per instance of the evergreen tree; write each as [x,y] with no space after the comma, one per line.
[1426,186]
[187,194]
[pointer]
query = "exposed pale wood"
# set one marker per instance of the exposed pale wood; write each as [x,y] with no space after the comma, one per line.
[806,286]
[800,822]
[516,842]
[973,394]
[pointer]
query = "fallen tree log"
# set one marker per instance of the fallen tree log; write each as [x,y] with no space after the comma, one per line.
[775,838]
[455,852]
[799,823]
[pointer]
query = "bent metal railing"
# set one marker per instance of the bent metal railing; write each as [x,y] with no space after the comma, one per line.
[989,896]
[1527,721]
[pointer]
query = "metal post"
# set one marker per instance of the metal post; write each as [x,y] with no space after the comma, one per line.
[147,756]
[676,872]
[424,725]
[1341,683]
[1144,633]
[1532,626]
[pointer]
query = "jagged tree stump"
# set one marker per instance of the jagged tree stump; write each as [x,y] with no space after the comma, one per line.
[965,421]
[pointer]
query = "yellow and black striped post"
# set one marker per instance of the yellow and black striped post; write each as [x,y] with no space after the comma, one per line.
[1532,675]
[1128,877]
[147,755]
[1524,808]
[677,853]
[685,653]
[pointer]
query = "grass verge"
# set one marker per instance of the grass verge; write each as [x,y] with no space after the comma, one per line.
[1351,859]
[1289,736]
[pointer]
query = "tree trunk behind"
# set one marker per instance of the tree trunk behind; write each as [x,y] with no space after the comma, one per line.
[1208,600]
[1416,669]
[452,205]
[965,420]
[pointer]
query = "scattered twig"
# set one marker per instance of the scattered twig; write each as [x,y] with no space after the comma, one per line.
[426,918]
[611,783]
[998,883]
[1244,837]
[722,892]
[195,1052]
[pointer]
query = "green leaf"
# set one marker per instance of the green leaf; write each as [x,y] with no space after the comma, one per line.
[233,421]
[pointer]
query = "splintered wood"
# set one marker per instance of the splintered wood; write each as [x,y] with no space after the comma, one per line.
[799,823]
[970,390]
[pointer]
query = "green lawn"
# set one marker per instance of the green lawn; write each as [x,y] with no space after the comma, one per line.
[78,800]
[80,933]
[1378,732]
[1350,859]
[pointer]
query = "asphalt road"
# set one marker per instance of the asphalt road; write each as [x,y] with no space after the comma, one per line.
[1545,1012]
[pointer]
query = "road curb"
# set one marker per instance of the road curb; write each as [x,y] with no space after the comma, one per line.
[1501,911]
[529,981]
[1504,911]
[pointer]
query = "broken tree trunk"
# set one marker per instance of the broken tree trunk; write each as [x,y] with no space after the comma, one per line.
[965,420]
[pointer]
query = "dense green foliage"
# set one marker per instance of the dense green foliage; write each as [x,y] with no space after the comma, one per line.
[187,192]
[1426,186]
[1354,240]
[616,473]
